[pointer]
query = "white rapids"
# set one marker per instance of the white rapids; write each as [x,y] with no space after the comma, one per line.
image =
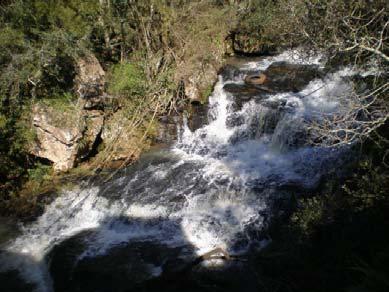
[211,189]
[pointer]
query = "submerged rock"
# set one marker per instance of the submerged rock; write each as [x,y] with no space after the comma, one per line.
[167,131]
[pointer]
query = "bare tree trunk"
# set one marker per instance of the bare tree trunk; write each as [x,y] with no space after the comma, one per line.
[123,43]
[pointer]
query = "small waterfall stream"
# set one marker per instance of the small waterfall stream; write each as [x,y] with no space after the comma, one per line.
[214,188]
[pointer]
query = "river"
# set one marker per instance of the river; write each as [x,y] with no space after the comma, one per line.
[216,187]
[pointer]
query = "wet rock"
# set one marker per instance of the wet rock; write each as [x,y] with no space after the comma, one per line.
[290,134]
[169,124]
[255,79]
[235,120]
[198,117]
[167,131]
[243,93]
[12,281]
[284,77]
[229,276]
[221,275]
[230,72]
[11,278]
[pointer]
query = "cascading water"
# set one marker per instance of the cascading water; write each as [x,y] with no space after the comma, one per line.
[213,188]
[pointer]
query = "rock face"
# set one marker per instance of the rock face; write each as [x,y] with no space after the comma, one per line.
[93,127]
[90,82]
[197,85]
[167,132]
[57,144]
[66,136]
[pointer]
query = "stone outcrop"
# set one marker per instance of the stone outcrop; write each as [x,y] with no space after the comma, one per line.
[58,144]
[93,127]
[197,84]
[90,82]
[67,136]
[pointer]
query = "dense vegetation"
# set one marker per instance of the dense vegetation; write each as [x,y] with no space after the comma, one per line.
[146,47]
[333,240]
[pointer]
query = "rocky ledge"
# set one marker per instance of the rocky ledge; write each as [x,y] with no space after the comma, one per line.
[66,137]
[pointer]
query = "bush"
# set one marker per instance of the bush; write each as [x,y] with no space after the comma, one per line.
[40,172]
[127,80]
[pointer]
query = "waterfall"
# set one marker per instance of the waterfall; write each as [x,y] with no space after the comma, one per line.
[213,188]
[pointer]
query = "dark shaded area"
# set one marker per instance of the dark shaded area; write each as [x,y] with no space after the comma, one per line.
[142,264]
[11,280]
[337,242]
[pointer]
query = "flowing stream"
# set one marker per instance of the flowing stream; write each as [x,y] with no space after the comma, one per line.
[216,187]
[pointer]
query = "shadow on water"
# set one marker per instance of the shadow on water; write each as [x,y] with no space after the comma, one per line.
[10,279]
[81,262]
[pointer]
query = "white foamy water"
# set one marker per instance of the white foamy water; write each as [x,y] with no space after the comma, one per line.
[212,189]
[293,56]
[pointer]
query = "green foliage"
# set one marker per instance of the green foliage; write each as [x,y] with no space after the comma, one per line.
[362,192]
[127,79]
[271,24]
[33,17]
[11,42]
[40,172]
[309,214]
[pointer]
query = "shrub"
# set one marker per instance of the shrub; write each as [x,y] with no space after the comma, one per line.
[127,80]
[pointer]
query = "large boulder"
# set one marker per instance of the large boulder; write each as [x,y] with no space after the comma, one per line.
[65,137]
[277,78]
[56,141]
[69,134]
